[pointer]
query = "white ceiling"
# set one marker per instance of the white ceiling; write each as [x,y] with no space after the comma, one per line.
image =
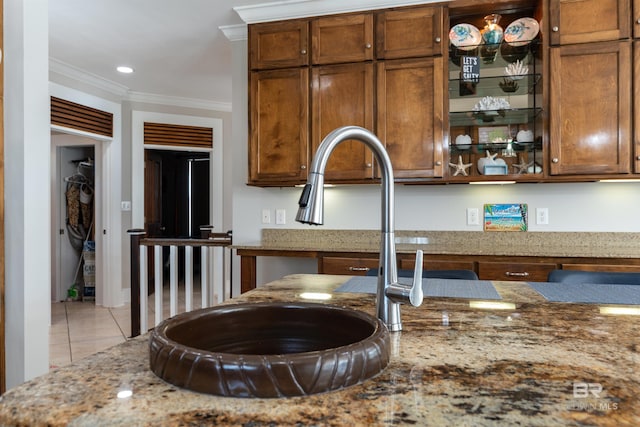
[175,46]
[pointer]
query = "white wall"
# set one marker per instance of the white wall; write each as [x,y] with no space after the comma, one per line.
[572,207]
[27,196]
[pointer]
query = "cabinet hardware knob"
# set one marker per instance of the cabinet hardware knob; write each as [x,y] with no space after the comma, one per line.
[555,29]
[638,158]
[555,160]
[368,165]
[638,21]
[303,167]
[359,269]
[303,51]
[438,39]
[438,163]
[368,45]
[516,274]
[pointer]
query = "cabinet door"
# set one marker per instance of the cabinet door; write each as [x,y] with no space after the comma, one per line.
[590,108]
[528,272]
[636,103]
[279,44]
[342,39]
[636,19]
[278,122]
[409,33]
[342,95]
[584,21]
[410,115]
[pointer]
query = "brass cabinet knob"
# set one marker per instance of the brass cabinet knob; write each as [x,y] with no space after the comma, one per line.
[368,45]
[438,163]
[303,167]
[555,160]
[438,39]
[638,21]
[368,165]
[638,158]
[555,29]
[303,51]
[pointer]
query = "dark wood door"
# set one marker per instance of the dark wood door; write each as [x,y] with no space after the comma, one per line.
[587,21]
[590,108]
[153,194]
[410,115]
[342,95]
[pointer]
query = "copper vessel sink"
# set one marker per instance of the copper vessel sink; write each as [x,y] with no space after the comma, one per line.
[269,349]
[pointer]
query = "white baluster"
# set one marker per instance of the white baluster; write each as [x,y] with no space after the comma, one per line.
[188,278]
[144,300]
[173,280]
[157,266]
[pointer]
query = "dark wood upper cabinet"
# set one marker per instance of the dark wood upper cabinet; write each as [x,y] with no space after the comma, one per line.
[279,44]
[342,95]
[410,101]
[410,33]
[278,126]
[585,21]
[341,39]
[590,108]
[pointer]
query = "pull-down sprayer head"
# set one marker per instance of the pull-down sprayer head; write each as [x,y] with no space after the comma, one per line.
[311,209]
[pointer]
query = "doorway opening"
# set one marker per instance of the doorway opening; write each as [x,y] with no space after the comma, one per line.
[75,203]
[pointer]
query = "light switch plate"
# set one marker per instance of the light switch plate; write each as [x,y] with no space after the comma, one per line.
[542,216]
[281,216]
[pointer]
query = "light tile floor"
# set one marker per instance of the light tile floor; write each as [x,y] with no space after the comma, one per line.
[79,329]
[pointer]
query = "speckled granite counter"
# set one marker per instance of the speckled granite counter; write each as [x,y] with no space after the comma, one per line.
[451,365]
[555,244]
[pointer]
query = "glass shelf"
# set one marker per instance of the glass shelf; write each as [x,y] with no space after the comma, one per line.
[493,147]
[493,117]
[490,86]
[505,54]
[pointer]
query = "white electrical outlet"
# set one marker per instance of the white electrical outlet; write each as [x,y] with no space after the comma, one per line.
[281,216]
[473,216]
[266,216]
[125,205]
[542,216]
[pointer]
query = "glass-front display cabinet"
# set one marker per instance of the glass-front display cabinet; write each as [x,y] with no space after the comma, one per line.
[495,97]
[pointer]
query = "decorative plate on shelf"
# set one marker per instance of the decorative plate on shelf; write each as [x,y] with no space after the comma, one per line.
[521,31]
[465,36]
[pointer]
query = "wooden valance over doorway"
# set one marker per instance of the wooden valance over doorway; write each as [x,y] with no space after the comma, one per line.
[178,135]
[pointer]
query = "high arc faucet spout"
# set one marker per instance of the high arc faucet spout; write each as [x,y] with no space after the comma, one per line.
[389,292]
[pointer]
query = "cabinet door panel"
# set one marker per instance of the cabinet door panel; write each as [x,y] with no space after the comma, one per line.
[409,33]
[636,103]
[342,39]
[532,272]
[603,267]
[587,21]
[590,108]
[410,115]
[279,121]
[342,95]
[278,44]
[636,19]
[428,264]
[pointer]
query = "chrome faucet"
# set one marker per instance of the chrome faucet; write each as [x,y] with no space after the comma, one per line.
[389,293]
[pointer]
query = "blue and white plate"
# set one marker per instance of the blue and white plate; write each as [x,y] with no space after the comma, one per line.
[521,31]
[465,36]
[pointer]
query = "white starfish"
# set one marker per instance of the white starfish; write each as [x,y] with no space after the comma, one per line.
[461,167]
[491,156]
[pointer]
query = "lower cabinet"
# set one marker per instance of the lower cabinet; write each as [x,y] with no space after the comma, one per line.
[518,271]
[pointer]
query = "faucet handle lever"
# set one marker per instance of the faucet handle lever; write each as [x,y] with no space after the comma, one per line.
[416,295]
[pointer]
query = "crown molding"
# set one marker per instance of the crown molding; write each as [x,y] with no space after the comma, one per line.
[291,9]
[125,94]
[88,78]
[234,33]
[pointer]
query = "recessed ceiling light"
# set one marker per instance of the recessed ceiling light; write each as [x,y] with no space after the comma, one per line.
[124,69]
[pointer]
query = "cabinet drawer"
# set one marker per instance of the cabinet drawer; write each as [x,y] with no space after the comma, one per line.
[350,266]
[603,267]
[427,264]
[526,272]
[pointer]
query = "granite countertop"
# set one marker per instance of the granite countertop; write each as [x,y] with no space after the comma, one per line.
[548,244]
[541,363]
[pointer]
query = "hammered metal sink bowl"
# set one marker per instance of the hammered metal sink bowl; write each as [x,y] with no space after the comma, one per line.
[269,349]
